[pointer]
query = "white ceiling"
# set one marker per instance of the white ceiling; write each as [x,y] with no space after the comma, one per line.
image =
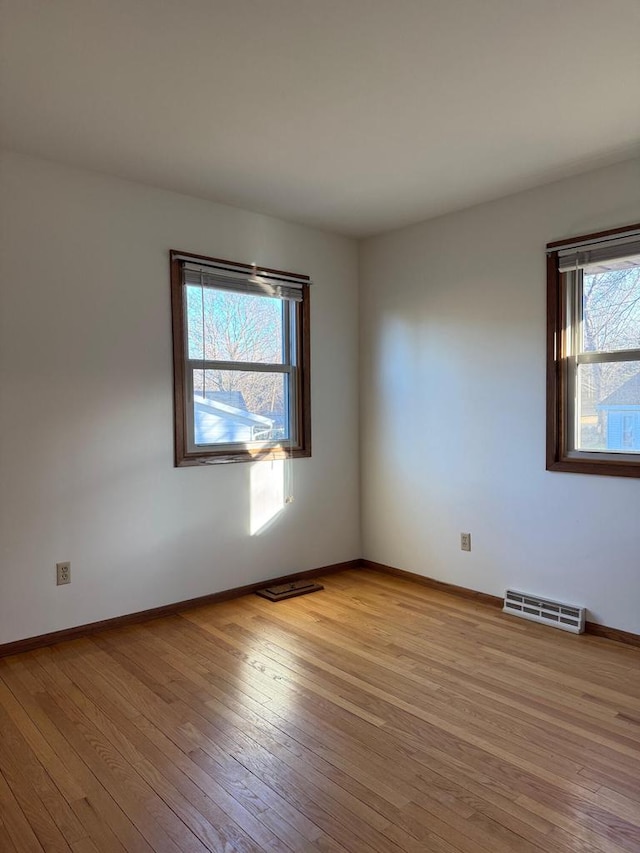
[353,115]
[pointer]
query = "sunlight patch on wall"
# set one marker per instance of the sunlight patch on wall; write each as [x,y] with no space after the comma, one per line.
[267,493]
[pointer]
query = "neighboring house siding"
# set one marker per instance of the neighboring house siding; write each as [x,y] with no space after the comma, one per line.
[213,428]
[623,429]
[219,423]
[622,408]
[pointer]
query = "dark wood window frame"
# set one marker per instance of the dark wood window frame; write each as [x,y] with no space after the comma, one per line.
[301,447]
[560,455]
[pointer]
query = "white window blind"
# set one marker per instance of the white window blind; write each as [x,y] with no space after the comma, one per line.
[242,280]
[616,252]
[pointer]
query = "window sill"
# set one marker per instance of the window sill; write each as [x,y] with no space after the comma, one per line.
[624,467]
[254,455]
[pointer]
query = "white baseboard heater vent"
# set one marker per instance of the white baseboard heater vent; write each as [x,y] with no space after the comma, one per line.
[568,617]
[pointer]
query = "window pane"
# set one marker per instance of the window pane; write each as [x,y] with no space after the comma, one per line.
[609,407]
[611,310]
[234,326]
[240,406]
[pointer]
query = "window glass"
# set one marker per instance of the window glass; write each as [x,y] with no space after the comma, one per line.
[608,417]
[611,309]
[239,406]
[227,326]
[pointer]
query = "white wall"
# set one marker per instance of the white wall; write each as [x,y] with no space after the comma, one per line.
[453,316]
[86,441]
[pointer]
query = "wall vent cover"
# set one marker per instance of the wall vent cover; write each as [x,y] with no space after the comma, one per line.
[568,617]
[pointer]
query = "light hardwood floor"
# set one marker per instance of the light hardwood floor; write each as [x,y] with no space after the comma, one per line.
[377,715]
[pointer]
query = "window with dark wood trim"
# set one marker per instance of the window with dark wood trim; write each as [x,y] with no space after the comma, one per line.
[241,361]
[593,353]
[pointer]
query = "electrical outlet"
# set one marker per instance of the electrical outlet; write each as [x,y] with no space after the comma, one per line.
[465,541]
[63,573]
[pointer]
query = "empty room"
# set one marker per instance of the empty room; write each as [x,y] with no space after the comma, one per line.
[320,426]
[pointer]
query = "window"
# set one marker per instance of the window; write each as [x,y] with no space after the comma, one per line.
[593,353]
[241,361]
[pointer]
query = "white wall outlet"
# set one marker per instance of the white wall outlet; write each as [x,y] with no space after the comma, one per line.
[465,541]
[63,573]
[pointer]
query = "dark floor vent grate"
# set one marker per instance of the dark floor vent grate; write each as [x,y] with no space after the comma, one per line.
[289,590]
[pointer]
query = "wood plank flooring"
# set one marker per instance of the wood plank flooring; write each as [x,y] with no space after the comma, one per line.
[377,715]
